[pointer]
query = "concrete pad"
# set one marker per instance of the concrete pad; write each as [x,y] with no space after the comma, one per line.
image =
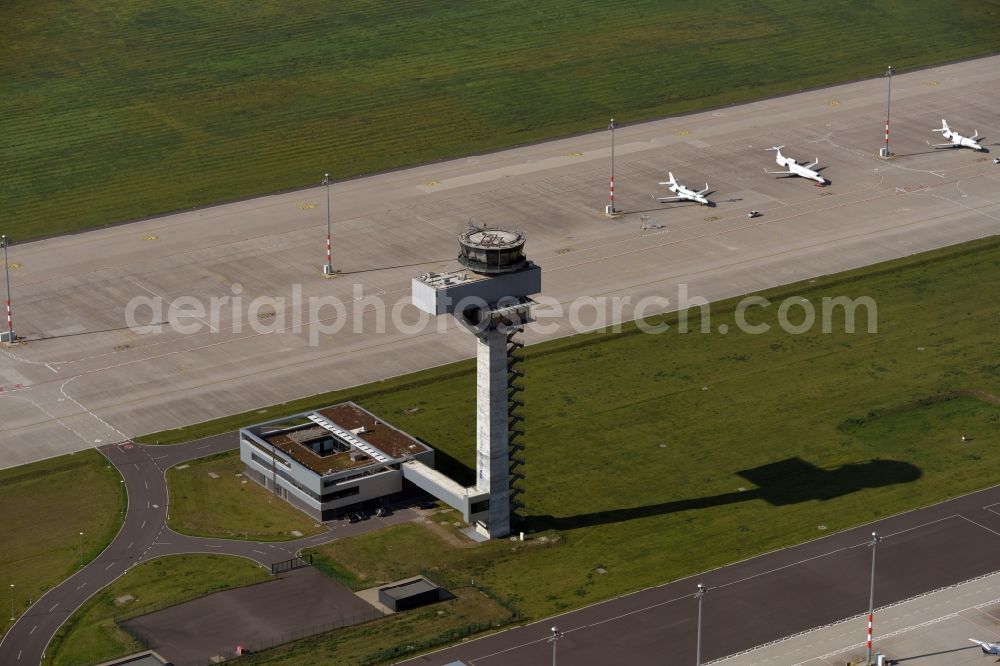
[301,603]
[85,377]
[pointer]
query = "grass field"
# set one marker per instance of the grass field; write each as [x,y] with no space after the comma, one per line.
[376,642]
[119,110]
[45,507]
[91,635]
[638,445]
[226,506]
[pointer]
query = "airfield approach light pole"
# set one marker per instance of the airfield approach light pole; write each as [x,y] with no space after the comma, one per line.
[610,209]
[554,638]
[871,599]
[121,496]
[9,335]
[699,595]
[328,268]
[12,618]
[81,550]
[888,100]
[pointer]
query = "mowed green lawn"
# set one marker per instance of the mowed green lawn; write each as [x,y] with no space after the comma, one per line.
[90,635]
[117,110]
[638,445]
[45,507]
[657,456]
[231,506]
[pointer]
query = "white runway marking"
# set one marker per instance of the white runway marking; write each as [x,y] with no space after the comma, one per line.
[980,525]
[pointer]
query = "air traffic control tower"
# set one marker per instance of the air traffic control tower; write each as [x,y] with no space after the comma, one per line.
[490,298]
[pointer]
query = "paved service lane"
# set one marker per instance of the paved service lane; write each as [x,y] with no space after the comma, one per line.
[144,535]
[764,598]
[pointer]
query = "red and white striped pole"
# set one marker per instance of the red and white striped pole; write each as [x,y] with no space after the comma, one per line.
[328,267]
[888,102]
[611,205]
[869,644]
[6,267]
[871,599]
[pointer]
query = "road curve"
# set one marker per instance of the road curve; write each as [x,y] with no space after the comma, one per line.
[144,535]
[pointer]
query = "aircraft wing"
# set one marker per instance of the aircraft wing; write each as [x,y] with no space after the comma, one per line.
[704,191]
[787,173]
[812,164]
[988,648]
[666,199]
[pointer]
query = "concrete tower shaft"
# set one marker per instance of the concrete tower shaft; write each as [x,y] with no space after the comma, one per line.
[492,464]
[490,298]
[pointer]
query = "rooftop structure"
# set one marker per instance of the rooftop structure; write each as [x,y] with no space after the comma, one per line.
[338,438]
[491,251]
[327,459]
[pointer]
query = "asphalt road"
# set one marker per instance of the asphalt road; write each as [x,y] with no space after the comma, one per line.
[144,536]
[764,598]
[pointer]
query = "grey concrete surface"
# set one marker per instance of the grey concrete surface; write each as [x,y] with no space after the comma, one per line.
[83,379]
[301,603]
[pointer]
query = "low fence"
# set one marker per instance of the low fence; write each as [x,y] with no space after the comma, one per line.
[294,563]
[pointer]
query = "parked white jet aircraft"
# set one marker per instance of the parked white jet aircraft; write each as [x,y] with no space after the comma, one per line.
[988,648]
[794,168]
[684,193]
[957,140]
